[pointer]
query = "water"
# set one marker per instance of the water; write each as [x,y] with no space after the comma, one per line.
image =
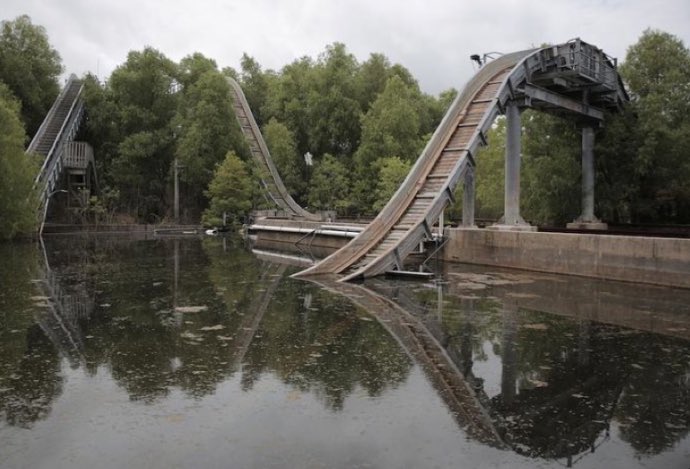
[196,353]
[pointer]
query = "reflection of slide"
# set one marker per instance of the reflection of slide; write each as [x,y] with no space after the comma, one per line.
[270,178]
[271,276]
[423,348]
[416,206]
[63,311]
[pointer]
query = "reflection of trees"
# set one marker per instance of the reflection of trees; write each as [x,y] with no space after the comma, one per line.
[563,380]
[29,365]
[33,383]
[324,347]
[654,410]
[132,329]
[148,345]
[564,403]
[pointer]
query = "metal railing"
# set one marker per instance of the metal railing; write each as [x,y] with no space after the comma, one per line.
[49,174]
[78,155]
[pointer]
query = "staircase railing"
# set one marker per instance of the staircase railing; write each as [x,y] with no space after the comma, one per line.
[50,171]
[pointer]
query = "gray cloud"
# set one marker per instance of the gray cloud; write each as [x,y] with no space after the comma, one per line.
[433,38]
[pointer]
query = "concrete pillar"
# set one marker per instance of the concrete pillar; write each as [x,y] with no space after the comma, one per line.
[511,212]
[468,199]
[587,220]
[441,222]
[587,174]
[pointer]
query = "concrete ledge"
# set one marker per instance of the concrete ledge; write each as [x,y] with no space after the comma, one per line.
[658,261]
[587,225]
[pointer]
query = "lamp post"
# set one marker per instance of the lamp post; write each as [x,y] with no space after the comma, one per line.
[176,210]
[176,184]
[45,212]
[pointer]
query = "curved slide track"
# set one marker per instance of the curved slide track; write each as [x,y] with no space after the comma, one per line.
[410,214]
[270,178]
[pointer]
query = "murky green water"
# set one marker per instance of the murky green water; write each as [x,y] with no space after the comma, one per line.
[197,353]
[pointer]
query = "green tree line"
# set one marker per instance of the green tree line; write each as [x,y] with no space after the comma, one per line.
[363,122]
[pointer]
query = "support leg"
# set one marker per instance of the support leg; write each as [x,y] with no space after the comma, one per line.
[468,200]
[587,220]
[511,213]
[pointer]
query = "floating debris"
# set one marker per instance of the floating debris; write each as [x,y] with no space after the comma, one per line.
[521,295]
[217,327]
[190,309]
[191,336]
[535,326]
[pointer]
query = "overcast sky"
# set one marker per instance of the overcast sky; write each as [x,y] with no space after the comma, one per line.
[432,38]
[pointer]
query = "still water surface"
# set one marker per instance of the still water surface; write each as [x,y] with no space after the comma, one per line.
[198,353]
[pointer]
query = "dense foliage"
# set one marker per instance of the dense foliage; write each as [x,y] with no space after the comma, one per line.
[348,115]
[363,123]
[30,67]
[230,192]
[18,200]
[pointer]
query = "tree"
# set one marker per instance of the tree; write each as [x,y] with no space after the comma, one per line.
[193,66]
[551,169]
[205,128]
[30,67]
[329,189]
[657,71]
[255,84]
[288,100]
[389,129]
[372,77]
[18,199]
[334,111]
[230,192]
[392,172]
[489,176]
[290,165]
[144,96]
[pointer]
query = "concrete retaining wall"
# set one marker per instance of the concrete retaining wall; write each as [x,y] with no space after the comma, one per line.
[659,261]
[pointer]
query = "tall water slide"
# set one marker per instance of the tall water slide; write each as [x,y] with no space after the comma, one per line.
[574,75]
[270,179]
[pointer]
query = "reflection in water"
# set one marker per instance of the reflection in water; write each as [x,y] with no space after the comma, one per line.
[541,366]
[564,379]
[29,366]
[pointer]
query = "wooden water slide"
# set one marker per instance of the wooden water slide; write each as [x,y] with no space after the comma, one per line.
[573,78]
[409,216]
[270,179]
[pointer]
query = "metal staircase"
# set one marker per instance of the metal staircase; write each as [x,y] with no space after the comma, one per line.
[57,130]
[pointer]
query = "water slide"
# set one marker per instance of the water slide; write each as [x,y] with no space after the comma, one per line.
[408,217]
[270,179]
